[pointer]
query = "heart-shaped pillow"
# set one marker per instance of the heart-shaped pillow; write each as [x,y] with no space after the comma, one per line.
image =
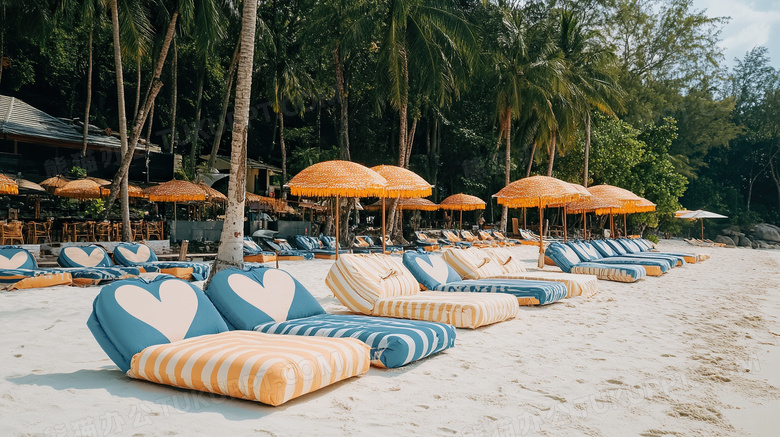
[437,270]
[80,256]
[273,297]
[141,255]
[16,261]
[172,314]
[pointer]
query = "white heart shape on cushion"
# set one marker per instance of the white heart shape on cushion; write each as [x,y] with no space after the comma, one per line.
[438,271]
[14,262]
[80,256]
[273,297]
[172,314]
[141,256]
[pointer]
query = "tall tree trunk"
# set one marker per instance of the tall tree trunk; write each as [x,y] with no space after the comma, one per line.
[343,102]
[154,89]
[552,154]
[776,178]
[531,159]
[137,87]
[231,252]
[174,93]
[225,104]
[149,128]
[410,142]
[120,90]
[506,129]
[195,134]
[284,148]
[2,49]
[89,94]
[396,232]
[585,170]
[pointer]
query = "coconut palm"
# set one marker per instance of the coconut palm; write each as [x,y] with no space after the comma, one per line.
[230,253]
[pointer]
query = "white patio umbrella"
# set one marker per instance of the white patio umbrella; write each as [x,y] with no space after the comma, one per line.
[701,214]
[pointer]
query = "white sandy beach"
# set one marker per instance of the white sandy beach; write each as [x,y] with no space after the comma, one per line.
[695,352]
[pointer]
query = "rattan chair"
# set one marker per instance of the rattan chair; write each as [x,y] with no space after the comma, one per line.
[11,233]
[154,229]
[103,231]
[137,230]
[37,231]
[84,230]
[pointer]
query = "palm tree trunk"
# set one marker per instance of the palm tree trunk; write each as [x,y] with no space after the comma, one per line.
[284,149]
[195,135]
[149,128]
[225,103]
[231,253]
[137,87]
[531,159]
[2,49]
[120,89]
[552,155]
[154,89]
[174,93]
[410,142]
[89,94]
[587,152]
[506,128]
[402,113]
[343,103]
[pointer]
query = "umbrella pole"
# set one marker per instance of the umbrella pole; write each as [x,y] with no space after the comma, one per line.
[565,236]
[584,226]
[625,225]
[461,219]
[524,225]
[337,227]
[541,235]
[612,224]
[384,246]
[702,229]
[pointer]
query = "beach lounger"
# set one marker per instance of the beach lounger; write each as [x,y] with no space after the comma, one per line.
[329,243]
[285,252]
[449,238]
[254,253]
[380,285]
[567,260]
[587,253]
[91,265]
[432,272]
[140,255]
[471,238]
[498,263]
[19,270]
[645,246]
[316,247]
[631,250]
[389,246]
[498,235]
[425,242]
[272,301]
[167,331]
[361,245]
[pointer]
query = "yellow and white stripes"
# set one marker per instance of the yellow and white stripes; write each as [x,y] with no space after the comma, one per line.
[250,365]
[472,263]
[462,310]
[604,272]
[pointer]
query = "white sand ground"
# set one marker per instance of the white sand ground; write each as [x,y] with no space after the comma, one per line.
[695,352]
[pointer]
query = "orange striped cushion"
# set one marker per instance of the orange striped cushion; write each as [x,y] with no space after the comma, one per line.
[358,281]
[250,365]
[462,310]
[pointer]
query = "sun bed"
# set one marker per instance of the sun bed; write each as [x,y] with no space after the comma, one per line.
[434,274]
[449,238]
[285,252]
[19,270]
[360,244]
[380,285]
[91,265]
[471,238]
[567,260]
[140,255]
[641,246]
[426,243]
[272,301]
[498,235]
[614,248]
[316,247]
[653,267]
[498,263]
[389,246]
[167,331]
[254,253]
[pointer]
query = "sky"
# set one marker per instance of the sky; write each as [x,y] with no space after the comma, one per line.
[753,23]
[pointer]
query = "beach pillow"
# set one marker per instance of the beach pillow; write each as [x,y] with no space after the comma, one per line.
[84,256]
[430,271]
[141,255]
[472,263]
[272,301]
[167,331]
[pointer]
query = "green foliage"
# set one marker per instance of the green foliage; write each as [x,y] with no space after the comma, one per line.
[78,172]
[94,208]
[652,238]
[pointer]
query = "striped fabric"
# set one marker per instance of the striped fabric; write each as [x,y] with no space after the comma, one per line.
[472,263]
[576,285]
[393,342]
[141,255]
[271,369]
[653,267]
[380,285]
[568,261]
[96,275]
[648,248]
[462,310]
[435,274]
[91,265]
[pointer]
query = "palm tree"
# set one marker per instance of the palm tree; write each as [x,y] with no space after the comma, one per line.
[526,71]
[591,73]
[230,253]
[290,83]
[345,25]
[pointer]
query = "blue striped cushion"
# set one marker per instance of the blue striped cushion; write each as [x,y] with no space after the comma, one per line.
[664,265]
[393,342]
[140,255]
[98,274]
[430,271]
[614,272]
[545,292]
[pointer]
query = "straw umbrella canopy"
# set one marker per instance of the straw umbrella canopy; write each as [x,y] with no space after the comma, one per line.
[462,202]
[537,191]
[584,195]
[8,185]
[401,183]
[411,204]
[102,182]
[701,214]
[80,189]
[212,195]
[629,202]
[175,191]
[54,182]
[336,179]
[132,191]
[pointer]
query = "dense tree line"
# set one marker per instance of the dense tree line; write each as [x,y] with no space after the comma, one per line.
[470,94]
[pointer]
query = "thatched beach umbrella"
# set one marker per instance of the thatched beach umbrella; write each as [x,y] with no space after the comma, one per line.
[80,189]
[584,195]
[175,191]
[336,179]
[462,202]
[8,185]
[537,191]
[212,195]
[401,183]
[54,182]
[132,191]
[629,202]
